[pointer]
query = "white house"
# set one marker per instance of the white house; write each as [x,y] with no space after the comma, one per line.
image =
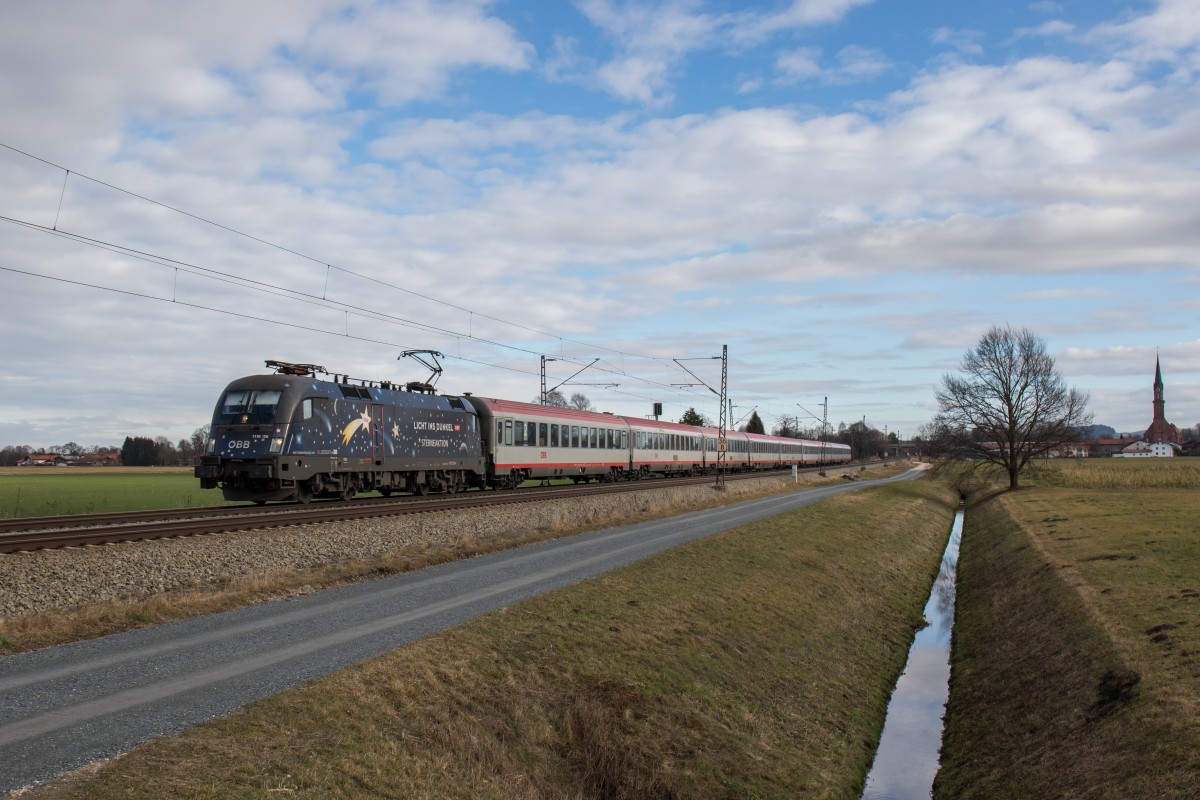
[1144,449]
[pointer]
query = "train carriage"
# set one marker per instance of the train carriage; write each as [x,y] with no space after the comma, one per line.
[763,452]
[665,448]
[527,440]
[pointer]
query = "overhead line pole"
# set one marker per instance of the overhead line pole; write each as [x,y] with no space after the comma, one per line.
[585,366]
[722,439]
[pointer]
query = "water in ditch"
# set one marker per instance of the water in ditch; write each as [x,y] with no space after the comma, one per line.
[907,759]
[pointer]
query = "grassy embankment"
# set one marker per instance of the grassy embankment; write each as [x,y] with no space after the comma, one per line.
[756,663]
[1077,637]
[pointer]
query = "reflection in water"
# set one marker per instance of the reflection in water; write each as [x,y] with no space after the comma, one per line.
[907,759]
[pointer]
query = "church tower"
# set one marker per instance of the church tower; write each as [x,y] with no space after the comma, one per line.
[1160,430]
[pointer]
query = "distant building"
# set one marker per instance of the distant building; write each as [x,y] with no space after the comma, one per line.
[1143,449]
[43,460]
[99,460]
[1099,448]
[1160,431]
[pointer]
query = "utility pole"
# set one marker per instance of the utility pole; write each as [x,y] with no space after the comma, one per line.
[722,438]
[564,383]
[543,394]
[824,427]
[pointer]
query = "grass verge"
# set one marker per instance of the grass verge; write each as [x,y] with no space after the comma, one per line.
[757,663]
[1077,640]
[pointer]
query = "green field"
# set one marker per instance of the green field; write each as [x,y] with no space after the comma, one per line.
[51,491]
[756,664]
[1077,637]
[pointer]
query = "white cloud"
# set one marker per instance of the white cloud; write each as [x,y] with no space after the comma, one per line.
[964,40]
[889,215]
[652,39]
[407,50]
[1170,32]
[1066,294]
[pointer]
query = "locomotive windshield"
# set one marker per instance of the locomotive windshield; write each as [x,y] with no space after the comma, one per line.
[249,405]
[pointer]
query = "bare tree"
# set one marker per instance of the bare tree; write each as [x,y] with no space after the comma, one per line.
[579,402]
[1009,404]
[554,398]
[166,456]
[787,426]
[199,440]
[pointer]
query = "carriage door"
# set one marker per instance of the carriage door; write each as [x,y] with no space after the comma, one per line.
[377,429]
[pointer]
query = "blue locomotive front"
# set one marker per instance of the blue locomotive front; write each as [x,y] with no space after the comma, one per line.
[295,436]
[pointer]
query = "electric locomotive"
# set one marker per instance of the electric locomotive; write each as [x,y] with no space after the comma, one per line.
[295,435]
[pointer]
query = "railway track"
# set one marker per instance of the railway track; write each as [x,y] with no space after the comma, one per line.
[39,533]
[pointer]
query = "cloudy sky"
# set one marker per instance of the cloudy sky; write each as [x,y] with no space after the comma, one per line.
[847,193]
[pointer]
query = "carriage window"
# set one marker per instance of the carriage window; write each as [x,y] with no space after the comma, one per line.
[592,436]
[574,436]
[554,436]
[542,434]
[508,431]
[518,433]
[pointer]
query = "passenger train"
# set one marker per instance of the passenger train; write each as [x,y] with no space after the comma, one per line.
[295,435]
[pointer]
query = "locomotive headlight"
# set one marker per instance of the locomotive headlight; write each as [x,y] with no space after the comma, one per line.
[276,445]
[212,444]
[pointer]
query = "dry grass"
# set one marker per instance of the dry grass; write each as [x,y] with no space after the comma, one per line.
[757,663]
[1077,639]
[1120,473]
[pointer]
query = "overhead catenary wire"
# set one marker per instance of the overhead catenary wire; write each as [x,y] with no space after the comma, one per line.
[297,253]
[305,297]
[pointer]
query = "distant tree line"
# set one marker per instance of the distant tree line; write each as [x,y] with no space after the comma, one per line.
[136,451]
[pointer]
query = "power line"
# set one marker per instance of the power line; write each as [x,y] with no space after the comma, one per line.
[301,296]
[281,248]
